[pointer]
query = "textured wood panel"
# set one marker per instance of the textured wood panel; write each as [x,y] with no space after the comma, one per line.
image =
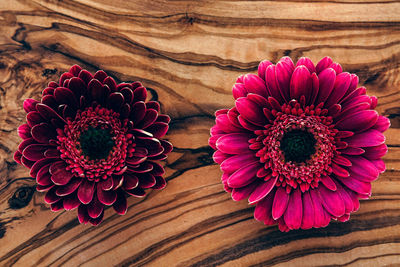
[189,53]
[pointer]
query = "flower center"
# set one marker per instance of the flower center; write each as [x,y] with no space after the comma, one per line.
[298,145]
[96,143]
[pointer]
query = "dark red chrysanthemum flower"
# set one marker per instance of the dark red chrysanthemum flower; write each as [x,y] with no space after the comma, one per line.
[91,142]
[303,143]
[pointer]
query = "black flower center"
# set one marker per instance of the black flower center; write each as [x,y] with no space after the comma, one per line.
[96,143]
[298,145]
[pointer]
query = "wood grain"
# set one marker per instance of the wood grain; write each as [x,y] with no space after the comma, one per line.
[189,54]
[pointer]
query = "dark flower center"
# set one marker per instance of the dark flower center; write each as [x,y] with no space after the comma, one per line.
[298,145]
[96,143]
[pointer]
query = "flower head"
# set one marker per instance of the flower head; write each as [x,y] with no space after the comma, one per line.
[90,142]
[302,143]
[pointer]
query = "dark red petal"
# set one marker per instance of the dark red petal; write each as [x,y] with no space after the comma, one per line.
[153,145]
[146,180]
[137,192]
[160,183]
[26,162]
[98,92]
[107,184]
[47,112]
[69,188]
[34,152]
[139,94]
[33,118]
[51,196]
[281,200]
[86,191]
[75,69]
[131,181]
[148,119]
[24,131]
[43,133]
[167,146]
[77,86]
[18,156]
[100,75]
[110,82]
[95,208]
[163,118]
[120,206]
[59,174]
[115,101]
[57,206]
[158,129]
[83,215]
[66,96]
[30,105]
[43,176]
[138,111]
[71,202]
[106,197]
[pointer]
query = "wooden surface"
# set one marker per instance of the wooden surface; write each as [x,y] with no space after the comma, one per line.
[189,53]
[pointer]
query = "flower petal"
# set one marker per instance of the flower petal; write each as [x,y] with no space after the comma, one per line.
[263,210]
[356,185]
[255,84]
[83,215]
[342,83]
[251,111]
[34,152]
[308,211]
[323,64]
[69,188]
[243,192]
[281,200]
[71,202]
[326,83]
[262,190]
[294,211]
[300,83]
[86,191]
[359,121]
[366,139]
[43,133]
[243,176]
[329,183]
[363,169]
[382,124]
[30,105]
[106,197]
[95,208]
[234,163]
[235,143]
[59,174]
[120,205]
[331,200]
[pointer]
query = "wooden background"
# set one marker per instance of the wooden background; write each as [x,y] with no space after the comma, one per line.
[189,53]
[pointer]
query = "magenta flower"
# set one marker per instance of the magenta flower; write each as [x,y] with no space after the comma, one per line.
[302,143]
[91,142]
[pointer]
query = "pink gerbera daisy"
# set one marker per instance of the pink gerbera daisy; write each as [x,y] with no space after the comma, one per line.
[302,143]
[90,142]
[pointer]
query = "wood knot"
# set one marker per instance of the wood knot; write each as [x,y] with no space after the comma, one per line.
[49,72]
[21,197]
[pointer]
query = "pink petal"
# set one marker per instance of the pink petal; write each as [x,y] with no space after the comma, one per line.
[379,164]
[300,83]
[342,83]
[348,202]
[235,143]
[356,185]
[272,84]
[263,210]
[326,83]
[382,124]
[375,152]
[238,90]
[243,176]
[339,171]
[294,212]
[281,200]
[59,174]
[340,160]
[352,151]
[234,163]
[308,211]
[262,190]
[283,73]
[315,88]
[247,124]
[323,64]
[262,67]
[250,111]
[366,139]
[219,157]
[329,183]
[359,121]
[86,191]
[363,169]
[331,200]
[243,192]
[224,124]
[305,61]
[320,218]
[255,84]
[120,205]
[336,66]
